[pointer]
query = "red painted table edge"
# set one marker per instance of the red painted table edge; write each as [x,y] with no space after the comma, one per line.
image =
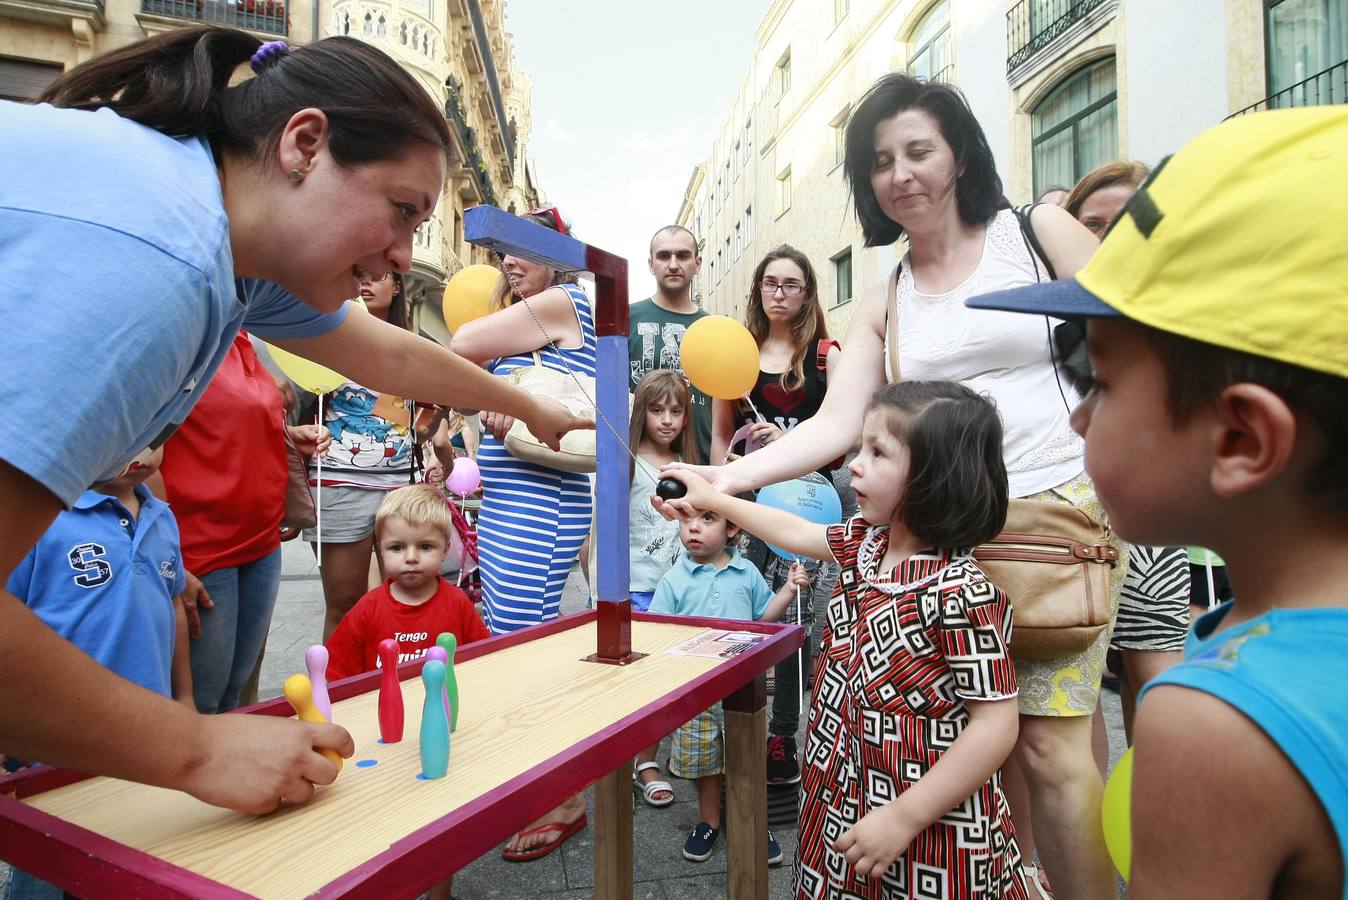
[418,860]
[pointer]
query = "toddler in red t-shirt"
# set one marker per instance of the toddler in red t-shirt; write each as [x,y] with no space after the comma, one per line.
[414,604]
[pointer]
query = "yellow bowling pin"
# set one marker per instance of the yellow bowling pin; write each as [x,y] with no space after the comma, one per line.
[299,691]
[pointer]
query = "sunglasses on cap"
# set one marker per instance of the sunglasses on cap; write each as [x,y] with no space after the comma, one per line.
[550,213]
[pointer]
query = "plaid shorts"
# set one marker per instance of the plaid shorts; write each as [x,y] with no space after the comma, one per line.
[698,748]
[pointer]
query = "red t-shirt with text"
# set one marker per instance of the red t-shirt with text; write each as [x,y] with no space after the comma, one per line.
[354,646]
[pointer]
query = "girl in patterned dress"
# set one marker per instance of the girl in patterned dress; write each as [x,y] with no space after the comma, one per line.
[914,709]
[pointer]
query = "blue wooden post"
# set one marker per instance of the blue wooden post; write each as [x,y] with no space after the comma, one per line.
[508,234]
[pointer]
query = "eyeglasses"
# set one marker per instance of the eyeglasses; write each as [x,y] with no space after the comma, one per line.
[788,288]
[551,212]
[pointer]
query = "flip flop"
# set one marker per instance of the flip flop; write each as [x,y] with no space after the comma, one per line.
[650,788]
[564,831]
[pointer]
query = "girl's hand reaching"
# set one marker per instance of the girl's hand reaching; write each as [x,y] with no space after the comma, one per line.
[699,493]
[715,477]
[882,836]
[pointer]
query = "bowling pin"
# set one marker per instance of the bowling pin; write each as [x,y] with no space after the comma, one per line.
[450,643]
[390,693]
[316,661]
[434,723]
[300,693]
[438,652]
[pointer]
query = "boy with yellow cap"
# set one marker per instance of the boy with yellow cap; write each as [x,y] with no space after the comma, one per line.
[1218,330]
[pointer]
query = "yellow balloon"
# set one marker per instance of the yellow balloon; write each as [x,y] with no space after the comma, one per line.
[468,295]
[1116,814]
[720,357]
[311,376]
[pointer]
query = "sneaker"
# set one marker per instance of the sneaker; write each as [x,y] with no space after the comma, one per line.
[702,840]
[782,765]
[774,851]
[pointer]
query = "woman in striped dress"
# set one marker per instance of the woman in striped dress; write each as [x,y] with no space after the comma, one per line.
[533,518]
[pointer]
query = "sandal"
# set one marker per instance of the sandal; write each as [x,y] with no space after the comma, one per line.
[650,788]
[1034,888]
[562,830]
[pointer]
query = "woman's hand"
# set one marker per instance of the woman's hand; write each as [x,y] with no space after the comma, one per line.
[310,439]
[195,598]
[497,424]
[765,432]
[872,845]
[551,420]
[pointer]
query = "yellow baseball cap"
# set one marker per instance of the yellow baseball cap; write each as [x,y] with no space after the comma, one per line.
[1238,240]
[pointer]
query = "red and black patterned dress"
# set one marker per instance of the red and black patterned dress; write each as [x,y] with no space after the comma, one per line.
[889,691]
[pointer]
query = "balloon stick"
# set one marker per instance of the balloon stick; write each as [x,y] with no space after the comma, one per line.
[800,660]
[318,499]
[758,415]
[1212,587]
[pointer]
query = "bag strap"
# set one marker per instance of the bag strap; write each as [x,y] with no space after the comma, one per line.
[892,325]
[1024,216]
[821,357]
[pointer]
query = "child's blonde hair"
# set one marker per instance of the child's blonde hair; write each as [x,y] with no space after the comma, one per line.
[417,504]
[657,385]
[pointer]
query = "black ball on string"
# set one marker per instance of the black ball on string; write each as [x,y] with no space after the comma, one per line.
[670,489]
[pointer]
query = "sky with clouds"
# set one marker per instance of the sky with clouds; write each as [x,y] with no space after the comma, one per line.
[628,96]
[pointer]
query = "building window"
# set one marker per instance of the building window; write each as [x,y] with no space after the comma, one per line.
[714,269]
[748,226]
[783,74]
[1306,39]
[716,195]
[748,139]
[840,8]
[739,240]
[839,126]
[725,183]
[22,79]
[739,158]
[728,258]
[784,190]
[1075,128]
[929,54]
[842,277]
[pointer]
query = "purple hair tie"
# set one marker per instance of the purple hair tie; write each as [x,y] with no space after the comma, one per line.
[268,53]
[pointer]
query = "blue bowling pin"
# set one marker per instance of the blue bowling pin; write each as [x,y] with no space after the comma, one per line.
[434,722]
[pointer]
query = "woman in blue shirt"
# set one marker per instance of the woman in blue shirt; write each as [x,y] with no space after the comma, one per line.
[182,209]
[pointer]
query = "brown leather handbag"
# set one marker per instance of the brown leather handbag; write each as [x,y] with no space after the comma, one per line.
[300,511]
[1052,560]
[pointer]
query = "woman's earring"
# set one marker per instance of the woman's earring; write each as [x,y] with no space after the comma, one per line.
[296,176]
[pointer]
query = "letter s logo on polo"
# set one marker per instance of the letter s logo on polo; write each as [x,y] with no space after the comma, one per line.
[87,559]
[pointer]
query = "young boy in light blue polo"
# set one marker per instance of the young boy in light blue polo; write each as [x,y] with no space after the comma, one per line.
[713,580]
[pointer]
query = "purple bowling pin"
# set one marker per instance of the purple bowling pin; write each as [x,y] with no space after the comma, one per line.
[316,661]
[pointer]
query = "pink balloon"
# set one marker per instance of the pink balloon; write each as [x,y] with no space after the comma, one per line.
[464,477]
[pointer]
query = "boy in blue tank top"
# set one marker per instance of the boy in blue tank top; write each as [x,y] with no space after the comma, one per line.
[1218,331]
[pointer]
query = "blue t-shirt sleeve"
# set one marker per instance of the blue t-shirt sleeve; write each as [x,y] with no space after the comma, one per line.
[275,313]
[101,333]
[759,594]
[664,600]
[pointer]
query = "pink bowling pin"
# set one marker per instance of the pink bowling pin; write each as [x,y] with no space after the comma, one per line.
[440,653]
[390,693]
[316,661]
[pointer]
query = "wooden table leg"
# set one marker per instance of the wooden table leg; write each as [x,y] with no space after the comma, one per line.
[613,835]
[746,721]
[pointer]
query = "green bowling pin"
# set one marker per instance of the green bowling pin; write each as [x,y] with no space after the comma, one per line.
[450,643]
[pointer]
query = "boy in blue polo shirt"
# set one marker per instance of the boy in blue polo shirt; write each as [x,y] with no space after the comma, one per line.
[713,580]
[106,576]
[1217,310]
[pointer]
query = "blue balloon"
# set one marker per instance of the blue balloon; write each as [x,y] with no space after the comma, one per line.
[811,497]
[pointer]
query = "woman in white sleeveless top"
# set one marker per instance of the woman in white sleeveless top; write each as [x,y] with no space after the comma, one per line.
[920,167]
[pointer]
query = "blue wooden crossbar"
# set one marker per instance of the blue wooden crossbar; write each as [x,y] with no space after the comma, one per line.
[511,235]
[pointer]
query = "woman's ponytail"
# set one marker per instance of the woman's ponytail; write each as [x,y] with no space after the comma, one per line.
[168,82]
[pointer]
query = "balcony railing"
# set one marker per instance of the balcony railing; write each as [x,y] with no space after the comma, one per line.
[1032,25]
[1321,89]
[473,160]
[268,16]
